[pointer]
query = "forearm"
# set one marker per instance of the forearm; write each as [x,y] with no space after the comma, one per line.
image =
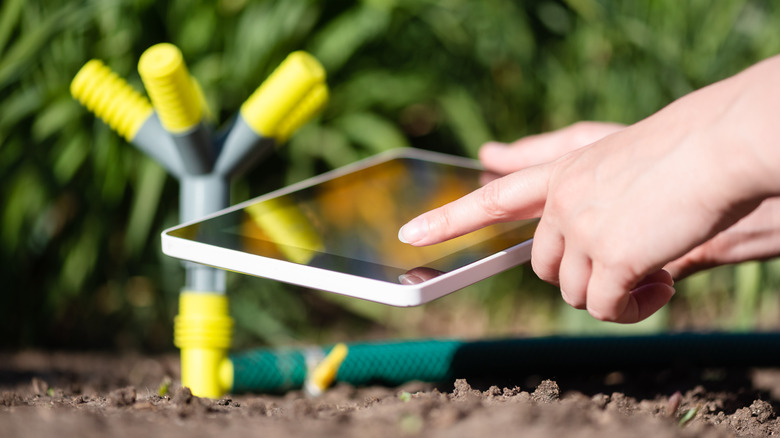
[721,141]
[748,130]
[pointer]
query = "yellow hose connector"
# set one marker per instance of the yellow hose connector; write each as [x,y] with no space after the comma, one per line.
[325,373]
[111,98]
[202,331]
[291,95]
[175,96]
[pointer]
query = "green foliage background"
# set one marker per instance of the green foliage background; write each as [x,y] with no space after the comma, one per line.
[81,209]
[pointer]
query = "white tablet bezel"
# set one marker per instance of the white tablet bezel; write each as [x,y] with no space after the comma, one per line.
[401,295]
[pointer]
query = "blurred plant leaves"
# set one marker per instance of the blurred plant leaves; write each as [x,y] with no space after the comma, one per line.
[371,131]
[9,16]
[344,35]
[82,209]
[146,201]
[463,113]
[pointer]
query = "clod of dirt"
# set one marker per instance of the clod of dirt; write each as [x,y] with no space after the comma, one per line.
[225,401]
[493,392]
[463,391]
[121,397]
[11,399]
[619,402]
[257,408]
[600,400]
[746,423]
[547,392]
[511,392]
[304,408]
[762,410]
[498,395]
[188,405]
[182,396]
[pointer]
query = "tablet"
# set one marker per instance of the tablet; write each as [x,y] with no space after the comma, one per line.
[338,232]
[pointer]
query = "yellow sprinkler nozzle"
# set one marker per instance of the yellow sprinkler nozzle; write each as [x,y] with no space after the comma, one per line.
[271,109]
[172,90]
[207,115]
[110,98]
[325,373]
[203,331]
[312,104]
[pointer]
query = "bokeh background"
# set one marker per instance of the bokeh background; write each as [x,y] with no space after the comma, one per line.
[82,209]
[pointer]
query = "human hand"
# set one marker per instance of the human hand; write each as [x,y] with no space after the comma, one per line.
[615,213]
[754,237]
[578,237]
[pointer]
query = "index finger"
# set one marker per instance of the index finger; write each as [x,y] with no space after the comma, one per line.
[519,195]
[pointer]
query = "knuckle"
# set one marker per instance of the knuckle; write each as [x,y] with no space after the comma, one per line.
[585,132]
[489,200]
[580,132]
[601,316]
[605,310]
[540,269]
[573,299]
[444,220]
[440,223]
[545,270]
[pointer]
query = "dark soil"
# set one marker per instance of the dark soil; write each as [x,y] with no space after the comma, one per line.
[99,395]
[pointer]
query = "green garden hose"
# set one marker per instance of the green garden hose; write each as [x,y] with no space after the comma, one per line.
[395,363]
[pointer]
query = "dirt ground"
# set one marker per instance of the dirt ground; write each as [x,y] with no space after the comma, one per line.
[99,395]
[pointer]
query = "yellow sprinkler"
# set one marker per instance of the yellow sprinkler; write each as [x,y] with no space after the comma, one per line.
[174,129]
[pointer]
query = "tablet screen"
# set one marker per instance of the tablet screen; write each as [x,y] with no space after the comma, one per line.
[350,224]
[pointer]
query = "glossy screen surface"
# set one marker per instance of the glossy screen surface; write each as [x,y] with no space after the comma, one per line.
[350,224]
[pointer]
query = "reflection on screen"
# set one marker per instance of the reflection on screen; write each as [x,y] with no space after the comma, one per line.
[350,224]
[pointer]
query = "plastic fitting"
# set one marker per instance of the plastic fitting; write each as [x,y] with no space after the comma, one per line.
[173,93]
[202,331]
[111,98]
[275,107]
[179,103]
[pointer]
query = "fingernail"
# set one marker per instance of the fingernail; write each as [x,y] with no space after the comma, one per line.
[414,231]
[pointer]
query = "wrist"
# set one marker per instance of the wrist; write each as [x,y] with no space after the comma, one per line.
[748,130]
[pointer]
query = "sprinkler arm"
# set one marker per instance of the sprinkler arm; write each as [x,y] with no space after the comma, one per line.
[179,103]
[291,96]
[127,112]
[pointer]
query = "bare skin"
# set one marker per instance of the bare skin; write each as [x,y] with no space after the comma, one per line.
[754,237]
[670,191]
